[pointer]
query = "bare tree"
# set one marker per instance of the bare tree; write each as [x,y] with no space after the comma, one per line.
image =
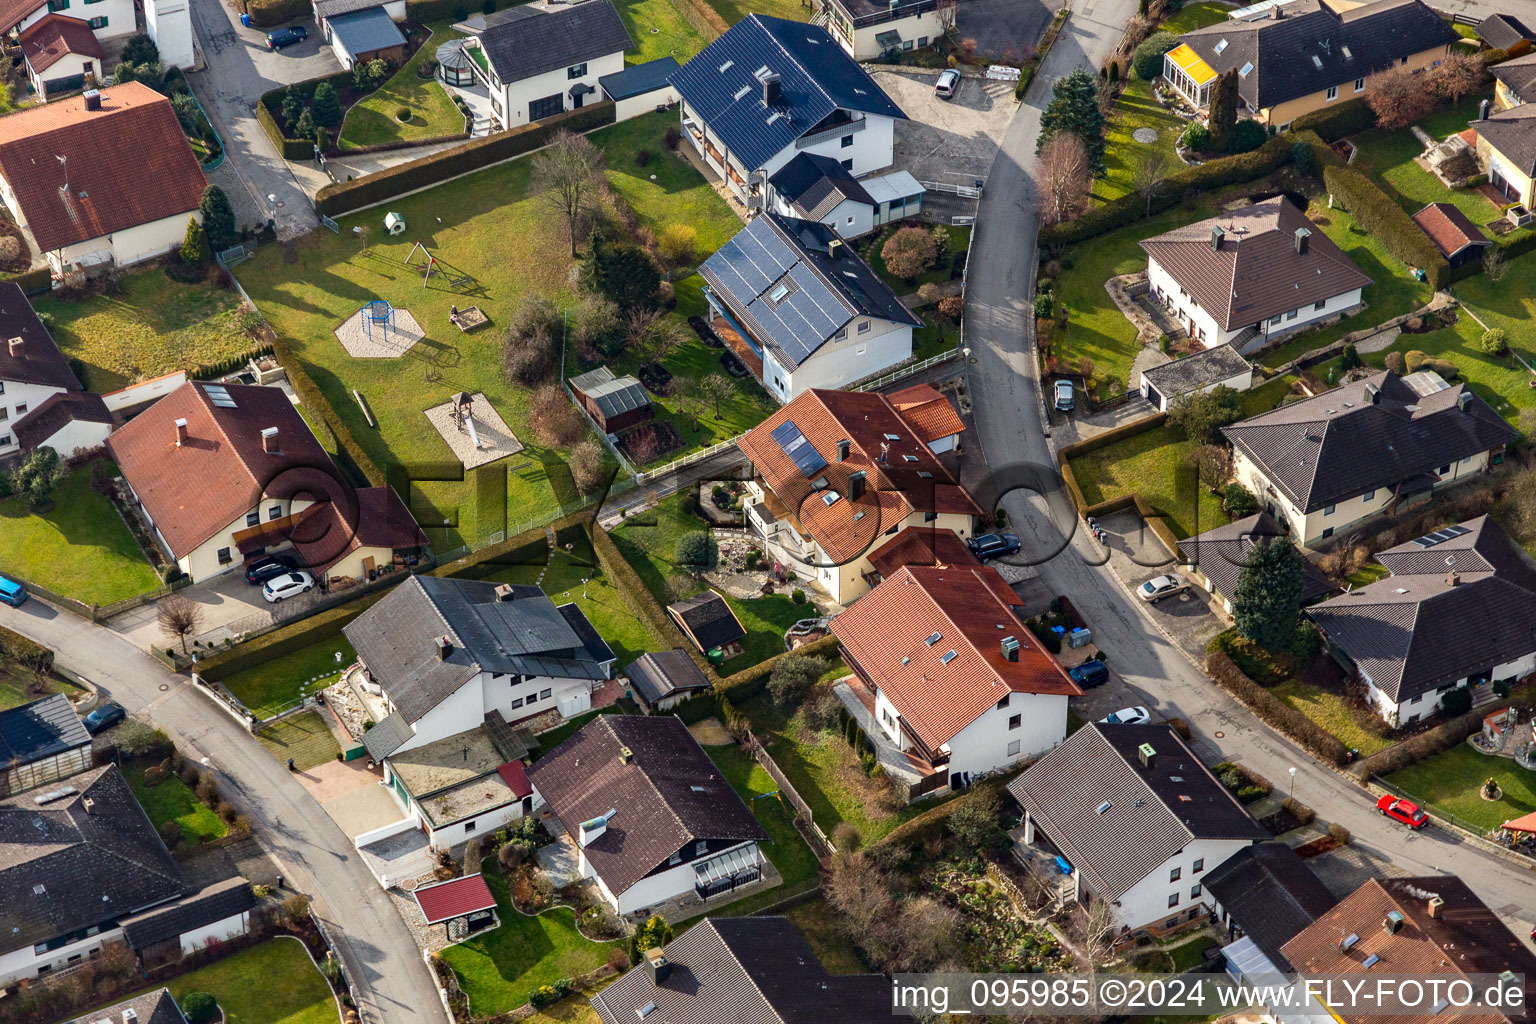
[716,388]
[944,10]
[1494,264]
[1213,464]
[860,890]
[1456,75]
[1147,176]
[688,398]
[1064,178]
[1399,99]
[1094,927]
[567,177]
[652,333]
[180,617]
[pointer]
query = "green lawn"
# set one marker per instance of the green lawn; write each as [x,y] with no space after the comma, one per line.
[266,688]
[824,932]
[1193,16]
[1136,108]
[1153,465]
[1387,157]
[1332,713]
[786,849]
[659,30]
[82,549]
[16,685]
[156,326]
[172,800]
[488,227]
[735,10]
[1367,574]
[1450,783]
[1500,381]
[305,738]
[497,969]
[936,335]
[602,605]
[1266,396]
[372,120]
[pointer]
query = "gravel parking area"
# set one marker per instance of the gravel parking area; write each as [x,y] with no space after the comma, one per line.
[952,141]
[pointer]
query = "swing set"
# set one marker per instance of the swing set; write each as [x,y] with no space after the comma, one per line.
[432,264]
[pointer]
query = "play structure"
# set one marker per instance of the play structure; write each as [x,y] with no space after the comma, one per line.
[467,319]
[378,319]
[394,224]
[379,330]
[429,263]
[464,416]
[473,430]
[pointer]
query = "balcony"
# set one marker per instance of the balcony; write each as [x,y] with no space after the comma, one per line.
[838,130]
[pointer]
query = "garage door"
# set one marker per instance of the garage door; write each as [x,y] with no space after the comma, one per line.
[575,704]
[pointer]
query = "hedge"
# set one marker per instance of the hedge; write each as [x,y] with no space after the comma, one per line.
[423,11]
[638,597]
[706,21]
[270,107]
[531,548]
[37,281]
[1426,744]
[1109,437]
[272,13]
[24,650]
[1333,122]
[309,394]
[1378,215]
[346,196]
[930,823]
[1274,711]
[287,639]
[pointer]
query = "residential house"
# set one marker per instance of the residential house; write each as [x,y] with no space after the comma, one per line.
[1453,233]
[802,309]
[324,9]
[213,913]
[42,741]
[1505,32]
[60,52]
[1455,610]
[920,546]
[542,59]
[819,188]
[613,403]
[153,1008]
[1216,367]
[227,473]
[931,414]
[1504,139]
[662,680]
[34,372]
[72,174]
[770,89]
[107,19]
[1294,58]
[707,620]
[450,654]
[1514,80]
[363,35]
[742,970]
[836,473]
[1252,274]
[462,785]
[1264,895]
[1430,924]
[1368,446]
[1140,820]
[641,88]
[870,29]
[650,814]
[1215,558]
[947,674]
[169,24]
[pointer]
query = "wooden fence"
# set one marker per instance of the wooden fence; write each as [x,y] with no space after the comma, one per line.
[820,844]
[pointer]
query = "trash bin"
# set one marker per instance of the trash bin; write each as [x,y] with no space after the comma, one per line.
[245,19]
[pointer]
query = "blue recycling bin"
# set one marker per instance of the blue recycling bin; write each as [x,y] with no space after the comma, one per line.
[1063,866]
[1060,631]
[245,19]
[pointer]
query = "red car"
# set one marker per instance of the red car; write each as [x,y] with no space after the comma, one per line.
[1405,811]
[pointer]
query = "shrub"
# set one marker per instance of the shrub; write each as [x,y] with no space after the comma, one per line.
[1238,501]
[199,1007]
[697,551]
[1147,58]
[909,252]
[792,678]
[1337,120]
[1245,135]
[1274,711]
[1042,306]
[1339,834]
[1301,157]
[975,823]
[326,105]
[555,421]
[1457,701]
[587,466]
[798,596]
[952,306]
[1298,810]
[1196,137]
[1375,213]
[678,243]
[135,739]
[1494,341]
[1349,359]
[1416,748]
[170,834]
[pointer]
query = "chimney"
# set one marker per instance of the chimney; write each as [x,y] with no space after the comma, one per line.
[1482,110]
[1372,394]
[771,93]
[842,450]
[130,1016]
[835,248]
[1393,923]
[1217,234]
[1436,904]
[1279,13]
[16,344]
[1464,401]
[92,99]
[1147,754]
[269,441]
[1302,234]
[1010,648]
[856,486]
[588,831]
[181,432]
[626,755]
[657,966]
[504,592]
[1452,578]
[444,648]
[88,805]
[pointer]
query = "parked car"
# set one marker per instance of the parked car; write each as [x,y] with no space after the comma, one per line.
[12,593]
[1090,674]
[993,545]
[1405,811]
[1128,716]
[286,37]
[104,717]
[287,585]
[264,569]
[1066,398]
[947,85]
[1159,587]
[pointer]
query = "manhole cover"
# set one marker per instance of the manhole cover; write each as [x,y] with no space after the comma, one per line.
[1145,135]
[1220,734]
[165,686]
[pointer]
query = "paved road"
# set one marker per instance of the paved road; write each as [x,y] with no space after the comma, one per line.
[393,984]
[1149,670]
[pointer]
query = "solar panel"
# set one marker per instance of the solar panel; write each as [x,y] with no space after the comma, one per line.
[219,396]
[807,459]
[1440,536]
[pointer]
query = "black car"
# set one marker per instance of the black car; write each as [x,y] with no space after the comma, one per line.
[104,717]
[264,569]
[993,545]
[1090,674]
[286,37]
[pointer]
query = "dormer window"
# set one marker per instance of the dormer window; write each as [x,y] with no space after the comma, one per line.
[1245,70]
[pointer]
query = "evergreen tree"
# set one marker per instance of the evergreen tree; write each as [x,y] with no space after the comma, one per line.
[293,106]
[305,128]
[218,218]
[1266,604]
[194,249]
[140,49]
[1223,108]
[1074,107]
[623,273]
[326,105]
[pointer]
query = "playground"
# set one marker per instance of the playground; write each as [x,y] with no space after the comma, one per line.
[473,430]
[379,331]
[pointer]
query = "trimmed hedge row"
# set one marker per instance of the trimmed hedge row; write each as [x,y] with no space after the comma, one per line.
[24,650]
[270,107]
[1333,122]
[344,197]
[1378,215]
[309,394]
[272,13]
[1109,437]
[1274,711]
[287,639]
[1426,744]
[742,686]
[640,601]
[706,21]
[423,11]
[36,281]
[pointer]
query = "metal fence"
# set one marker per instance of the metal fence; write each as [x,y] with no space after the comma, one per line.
[906,371]
[818,839]
[963,191]
[1487,835]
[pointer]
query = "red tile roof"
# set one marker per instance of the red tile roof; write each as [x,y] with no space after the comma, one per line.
[128,164]
[921,545]
[325,533]
[1449,228]
[928,411]
[971,609]
[54,36]
[516,778]
[902,474]
[14,12]
[454,898]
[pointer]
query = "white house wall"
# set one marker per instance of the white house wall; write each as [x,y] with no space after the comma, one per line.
[846,582]
[841,361]
[1237,382]
[78,436]
[446,837]
[68,66]
[23,963]
[987,744]
[131,245]
[920,30]
[16,400]
[218,931]
[169,24]
[1202,324]
[515,96]
[1146,903]
[645,103]
[119,14]
[871,150]
[203,561]
[1409,711]
[459,712]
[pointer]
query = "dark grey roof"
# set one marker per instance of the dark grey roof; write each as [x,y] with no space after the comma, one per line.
[366,31]
[1417,630]
[1255,271]
[1512,132]
[612,395]
[538,39]
[63,867]
[668,794]
[1518,75]
[37,360]
[151,1008]
[818,293]
[861,9]
[1222,552]
[40,729]
[1271,894]
[744,970]
[1340,444]
[1192,372]
[814,185]
[1153,812]
[817,78]
[387,736]
[57,411]
[639,79]
[594,648]
[1301,48]
[169,920]
[662,674]
[708,619]
[1502,31]
[527,635]
[331,8]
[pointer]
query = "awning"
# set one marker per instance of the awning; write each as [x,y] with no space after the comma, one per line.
[581,89]
[888,40]
[1525,824]
[457,897]
[727,866]
[1189,62]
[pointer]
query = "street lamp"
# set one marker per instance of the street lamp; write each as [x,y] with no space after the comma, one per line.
[1292,770]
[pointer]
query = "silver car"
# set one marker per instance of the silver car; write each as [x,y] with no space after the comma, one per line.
[1159,587]
[1127,716]
[947,85]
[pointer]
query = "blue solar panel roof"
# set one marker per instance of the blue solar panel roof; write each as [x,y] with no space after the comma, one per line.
[807,458]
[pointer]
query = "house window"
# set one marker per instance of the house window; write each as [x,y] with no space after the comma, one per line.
[907,45]
[929,517]
[274,512]
[469,826]
[700,848]
[863,329]
[5,440]
[1014,721]
[252,518]
[549,106]
[1328,532]
[848,164]
[1293,314]
[922,40]
[576,71]
[96,22]
[892,531]
[676,858]
[544,694]
[1173,900]
[1359,85]
[1194,892]
[846,142]
[517,702]
[1002,703]
[1333,92]
[54,6]
[21,409]
[1445,469]
[1174,874]
[1013,748]
[224,556]
[533,698]
[1198,867]
[1319,305]
[1402,60]
[1368,495]
[850,221]
[1274,319]
[1329,510]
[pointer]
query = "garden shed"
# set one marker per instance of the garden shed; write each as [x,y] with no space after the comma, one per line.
[614,403]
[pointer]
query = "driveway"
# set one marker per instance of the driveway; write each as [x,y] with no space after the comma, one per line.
[952,141]
[229,605]
[1004,28]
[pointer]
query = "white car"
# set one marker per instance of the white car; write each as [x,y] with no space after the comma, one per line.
[1159,587]
[286,585]
[1127,716]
